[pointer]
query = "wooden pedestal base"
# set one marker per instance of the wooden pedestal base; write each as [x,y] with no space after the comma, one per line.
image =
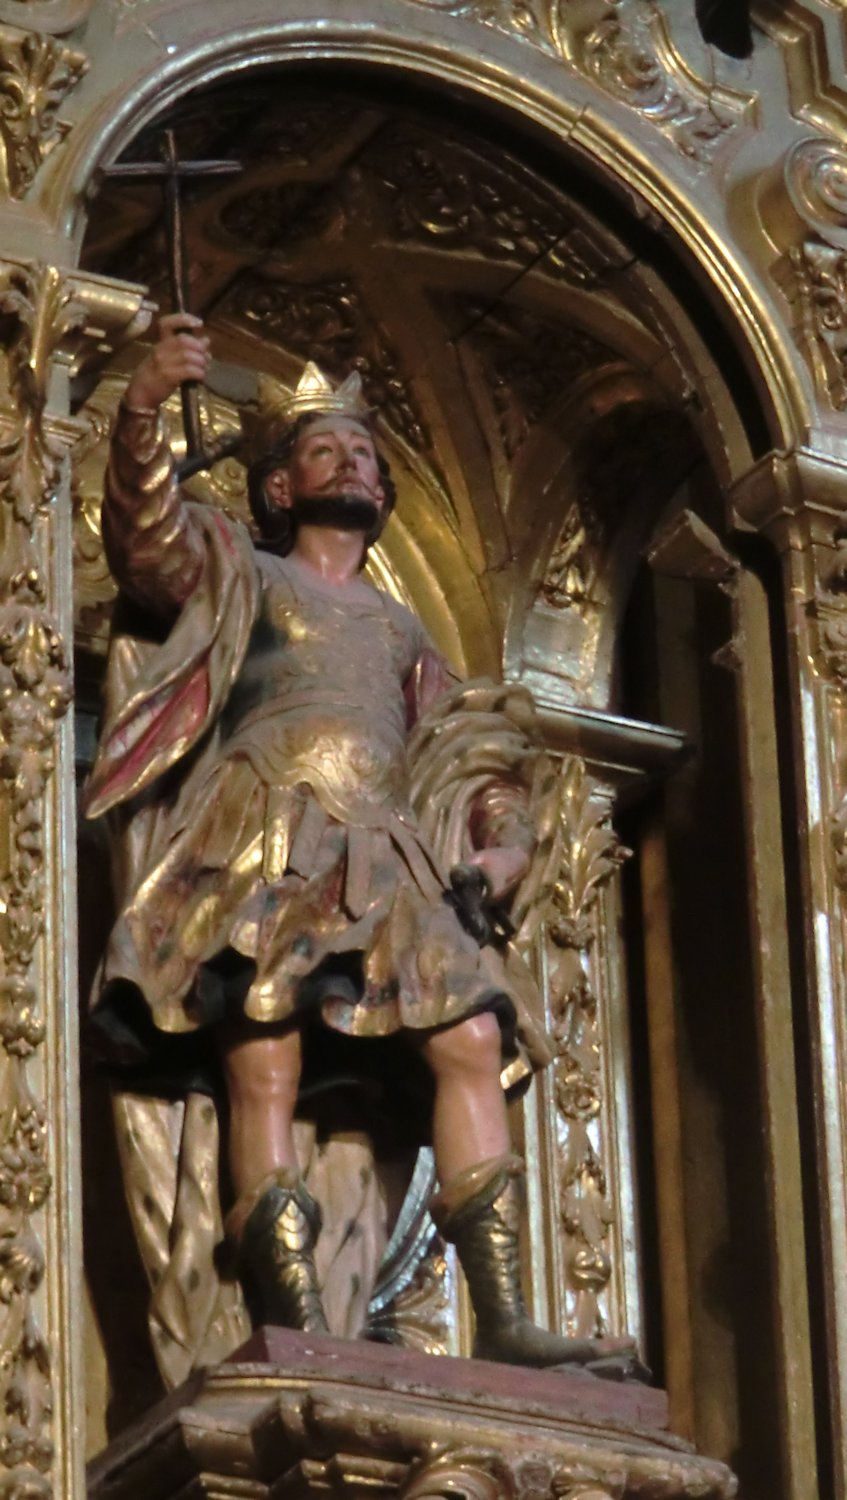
[292,1416]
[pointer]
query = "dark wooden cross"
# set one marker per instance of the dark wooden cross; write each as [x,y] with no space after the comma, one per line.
[172,172]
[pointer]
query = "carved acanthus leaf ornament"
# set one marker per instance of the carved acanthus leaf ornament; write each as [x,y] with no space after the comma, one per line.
[36,75]
[37,315]
[590,856]
[42,313]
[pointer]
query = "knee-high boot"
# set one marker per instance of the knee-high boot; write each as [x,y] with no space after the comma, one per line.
[275,1228]
[480,1213]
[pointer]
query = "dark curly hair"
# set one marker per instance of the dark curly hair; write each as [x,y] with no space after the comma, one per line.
[274,522]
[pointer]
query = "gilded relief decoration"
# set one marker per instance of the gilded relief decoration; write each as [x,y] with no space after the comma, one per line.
[327,322]
[629,54]
[590,856]
[829,609]
[470,1474]
[815,176]
[418,1316]
[534,21]
[626,467]
[529,362]
[37,314]
[457,200]
[36,75]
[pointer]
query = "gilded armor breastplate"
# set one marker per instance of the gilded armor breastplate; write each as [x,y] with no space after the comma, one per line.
[319,698]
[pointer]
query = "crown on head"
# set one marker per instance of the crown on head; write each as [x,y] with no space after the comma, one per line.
[278,407]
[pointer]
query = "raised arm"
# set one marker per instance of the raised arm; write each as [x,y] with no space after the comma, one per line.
[154,551]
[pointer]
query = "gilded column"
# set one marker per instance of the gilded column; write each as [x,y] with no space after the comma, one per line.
[48,318]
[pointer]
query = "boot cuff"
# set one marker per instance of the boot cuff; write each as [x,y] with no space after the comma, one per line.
[471,1185]
[283,1177]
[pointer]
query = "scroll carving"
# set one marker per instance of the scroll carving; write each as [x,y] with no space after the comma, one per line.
[591,854]
[42,313]
[629,55]
[456,199]
[821,290]
[815,176]
[36,75]
[467,1474]
[34,694]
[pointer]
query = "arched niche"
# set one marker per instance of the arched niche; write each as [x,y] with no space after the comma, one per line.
[669,365]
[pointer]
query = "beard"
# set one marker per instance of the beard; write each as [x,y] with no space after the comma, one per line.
[337,512]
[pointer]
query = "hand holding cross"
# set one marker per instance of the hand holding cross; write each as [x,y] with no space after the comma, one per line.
[181,353]
[170,171]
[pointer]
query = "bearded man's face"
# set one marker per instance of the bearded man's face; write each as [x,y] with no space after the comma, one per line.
[333,477]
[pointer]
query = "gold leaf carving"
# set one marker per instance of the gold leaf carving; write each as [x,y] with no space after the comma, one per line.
[37,314]
[591,854]
[528,364]
[531,20]
[456,199]
[639,452]
[36,75]
[838,836]
[629,54]
[815,177]
[829,608]
[34,693]
[327,322]
[821,315]
[466,1473]
[40,313]
[419,1316]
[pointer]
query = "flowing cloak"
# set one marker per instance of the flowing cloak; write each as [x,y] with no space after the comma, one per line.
[165,695]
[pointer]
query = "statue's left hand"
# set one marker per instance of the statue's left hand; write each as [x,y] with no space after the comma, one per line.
[504,867]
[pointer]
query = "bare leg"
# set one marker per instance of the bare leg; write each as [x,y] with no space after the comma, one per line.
[469,1122]
[275,1221]
[262,1070]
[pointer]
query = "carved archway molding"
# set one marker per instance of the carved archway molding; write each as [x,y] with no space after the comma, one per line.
[654,139]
